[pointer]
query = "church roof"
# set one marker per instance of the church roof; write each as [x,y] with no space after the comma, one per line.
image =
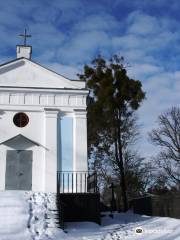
[25,73]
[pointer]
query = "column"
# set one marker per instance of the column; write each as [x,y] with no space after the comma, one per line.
[51,155]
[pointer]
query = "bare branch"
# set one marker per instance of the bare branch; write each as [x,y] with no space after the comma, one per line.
[167,136]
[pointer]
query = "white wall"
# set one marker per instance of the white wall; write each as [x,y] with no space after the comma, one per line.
[43,129]
[34,131]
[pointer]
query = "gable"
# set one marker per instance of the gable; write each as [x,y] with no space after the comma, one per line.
[25,73]
[20,142]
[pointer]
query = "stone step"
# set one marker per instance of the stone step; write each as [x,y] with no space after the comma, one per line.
[52,216]
[54,225]
[52,213]
[53,210]
[52,219]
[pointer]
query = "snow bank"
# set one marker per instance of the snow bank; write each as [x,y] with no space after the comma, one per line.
[28,216]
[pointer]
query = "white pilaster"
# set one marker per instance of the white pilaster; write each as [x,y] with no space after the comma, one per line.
[51,139]
[80,141]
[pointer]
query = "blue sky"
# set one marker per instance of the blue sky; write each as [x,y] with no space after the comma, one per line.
[66,34]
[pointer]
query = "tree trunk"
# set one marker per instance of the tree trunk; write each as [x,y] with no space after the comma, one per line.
[121,168]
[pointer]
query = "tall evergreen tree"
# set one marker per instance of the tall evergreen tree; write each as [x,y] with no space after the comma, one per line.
[112,100]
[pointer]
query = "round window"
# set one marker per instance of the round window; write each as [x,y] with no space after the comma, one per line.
[20,119]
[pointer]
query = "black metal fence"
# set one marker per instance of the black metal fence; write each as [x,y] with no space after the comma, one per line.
[76,182]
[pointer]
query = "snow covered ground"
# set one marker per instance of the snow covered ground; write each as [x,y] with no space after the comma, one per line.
[124,226]
[28,216]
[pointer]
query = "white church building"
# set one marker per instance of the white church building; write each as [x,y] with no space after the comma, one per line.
[43,127]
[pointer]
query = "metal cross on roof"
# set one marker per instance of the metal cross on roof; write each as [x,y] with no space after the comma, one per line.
[25,36]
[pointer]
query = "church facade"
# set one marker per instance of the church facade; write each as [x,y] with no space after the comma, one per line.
[43,127]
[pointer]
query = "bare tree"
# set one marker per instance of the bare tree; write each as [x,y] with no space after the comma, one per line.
[136,169]
[138,174]
[167,137]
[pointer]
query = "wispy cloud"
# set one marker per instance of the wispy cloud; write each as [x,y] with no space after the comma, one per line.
[68,34]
